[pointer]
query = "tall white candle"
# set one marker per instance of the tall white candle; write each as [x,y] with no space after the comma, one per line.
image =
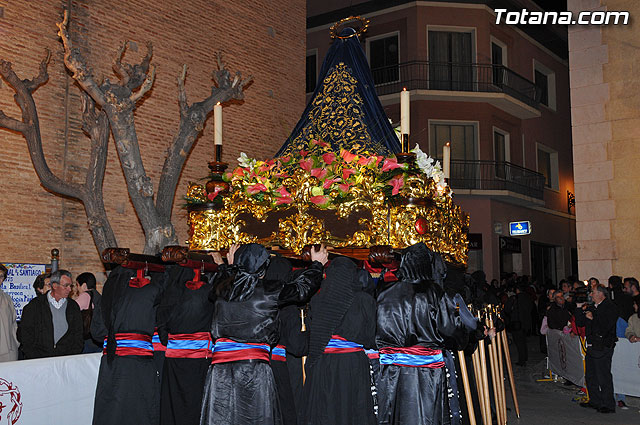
[446,160]
[217,121]
[405,114]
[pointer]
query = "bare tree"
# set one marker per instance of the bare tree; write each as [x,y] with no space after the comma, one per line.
[95,124]
[116,103]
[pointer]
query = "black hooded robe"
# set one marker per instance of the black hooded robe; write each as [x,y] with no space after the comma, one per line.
[128,389]
[338,386]
[243,392]
[184,318]
[414,316]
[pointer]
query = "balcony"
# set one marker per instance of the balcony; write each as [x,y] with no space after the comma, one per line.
[474,82]
[493,178]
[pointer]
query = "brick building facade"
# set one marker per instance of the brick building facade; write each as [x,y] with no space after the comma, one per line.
[266,40]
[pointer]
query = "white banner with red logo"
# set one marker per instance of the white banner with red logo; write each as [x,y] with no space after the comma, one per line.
[19,284]
[51,391]
[565,356]
[625,367]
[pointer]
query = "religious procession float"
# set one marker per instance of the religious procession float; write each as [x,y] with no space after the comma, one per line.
[344,178]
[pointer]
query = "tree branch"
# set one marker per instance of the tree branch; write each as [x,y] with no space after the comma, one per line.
[42,76]
[148,83]
[182,93]
[11,123]
[121,70]
[75,63]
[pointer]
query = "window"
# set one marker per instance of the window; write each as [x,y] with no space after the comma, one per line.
[312,71]
[501,152]
[461,135]
[498,62]
[384,57]
[450,60]
[545,82]
[548,166]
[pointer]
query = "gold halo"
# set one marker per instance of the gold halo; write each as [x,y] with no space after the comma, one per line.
[334,30]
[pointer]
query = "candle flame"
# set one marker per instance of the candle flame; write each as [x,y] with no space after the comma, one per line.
[404,89]
[218,103]
[448,144]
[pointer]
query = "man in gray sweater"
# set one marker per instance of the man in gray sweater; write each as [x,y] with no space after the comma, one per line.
[52,325]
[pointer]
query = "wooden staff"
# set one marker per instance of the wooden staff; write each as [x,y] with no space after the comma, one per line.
[304,358]
[493,357]
[475,357]
[503,400]
[485,379]
[507,355]
[467,388]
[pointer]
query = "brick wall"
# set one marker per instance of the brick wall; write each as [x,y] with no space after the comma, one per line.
[264,39]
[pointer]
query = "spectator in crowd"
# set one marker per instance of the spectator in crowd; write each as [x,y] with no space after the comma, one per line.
[600,328]
[544,302]
[88,299]
[42,284]
[619,298]
[593,282]
[518,309]
[631,286]
[633,330]
[558,317]
[52,325]
[8,325]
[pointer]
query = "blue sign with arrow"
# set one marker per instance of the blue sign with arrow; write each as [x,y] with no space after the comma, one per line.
[519,228]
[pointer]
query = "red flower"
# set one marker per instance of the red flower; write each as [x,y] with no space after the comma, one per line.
[256,188]
[286,159]
[328,158]
[327,184]
[304,153]
[347,156]
[344,187]
[390,164]
[396,183]
[283,191]
[284,200]
[365,161]
[238,172]
[320,200]
[378,159]
[319,173]
[213,194]
[306,164]
[319,143]
[346,172]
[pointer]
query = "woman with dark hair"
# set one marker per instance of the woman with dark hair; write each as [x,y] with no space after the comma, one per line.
[240,387]
[633,330]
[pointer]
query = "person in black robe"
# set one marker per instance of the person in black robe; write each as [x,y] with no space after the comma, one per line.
[338,386]
[184,318]
[240,388]
[414,316]
[128,389]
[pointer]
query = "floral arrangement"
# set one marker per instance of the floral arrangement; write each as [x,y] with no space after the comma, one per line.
[331,177]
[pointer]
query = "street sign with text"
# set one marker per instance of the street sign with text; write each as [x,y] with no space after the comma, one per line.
[519,228]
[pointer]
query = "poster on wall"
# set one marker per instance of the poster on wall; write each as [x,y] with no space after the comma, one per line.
[19,283]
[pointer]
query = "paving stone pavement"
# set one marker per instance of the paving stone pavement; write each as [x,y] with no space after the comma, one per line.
[553,403]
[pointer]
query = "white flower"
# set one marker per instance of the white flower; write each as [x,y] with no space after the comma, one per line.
[424,161]
[246,162]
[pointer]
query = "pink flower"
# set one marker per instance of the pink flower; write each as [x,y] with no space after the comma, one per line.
[346,172]
[283,191]
[286,159]
[319,173]
[344,187]
[238,172]
[213,194]
[227,176]
[320,200]
[256,188]
[390,164]
[284,200]
[347,156]
[306,164]
[264,168]
[304,153]
[319,143]
[327,184]
[396,183]
[328,158]
[378,159]
[365,161]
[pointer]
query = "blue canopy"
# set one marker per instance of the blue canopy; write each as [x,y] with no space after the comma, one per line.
[345,111]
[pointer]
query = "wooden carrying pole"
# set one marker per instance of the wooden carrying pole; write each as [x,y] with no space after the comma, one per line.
[485,380]
[507,357]
[304,358]
[467,388]
[503,399]
[477,373]
[495,374]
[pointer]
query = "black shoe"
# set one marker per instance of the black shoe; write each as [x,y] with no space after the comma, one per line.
[588,405]
[606,410]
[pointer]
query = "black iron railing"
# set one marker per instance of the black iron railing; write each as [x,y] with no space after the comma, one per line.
[496,175]
[472,77]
